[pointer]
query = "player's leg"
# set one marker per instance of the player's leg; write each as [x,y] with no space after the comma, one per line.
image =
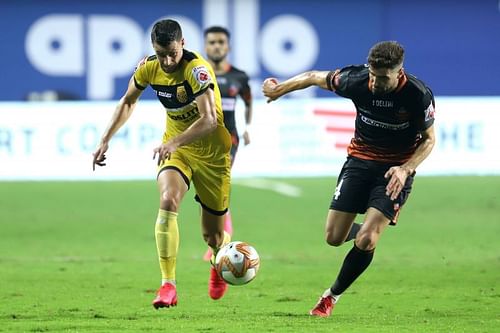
[212,181]
[355,262]
[172,186]
[228,222]
[380,213]
[354,231]
[337,227]
[235,142]
[212,225]
[361,254]
[350,197]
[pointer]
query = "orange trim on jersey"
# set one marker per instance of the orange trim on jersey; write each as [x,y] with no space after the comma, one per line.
[367,152]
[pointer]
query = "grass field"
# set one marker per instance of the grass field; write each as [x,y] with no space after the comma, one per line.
[80,257]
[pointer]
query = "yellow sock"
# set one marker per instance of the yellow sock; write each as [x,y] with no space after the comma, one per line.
[167,243]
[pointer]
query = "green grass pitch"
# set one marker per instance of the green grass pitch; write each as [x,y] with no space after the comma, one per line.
[81,257]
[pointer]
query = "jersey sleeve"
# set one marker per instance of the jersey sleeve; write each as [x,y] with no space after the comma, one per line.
[426,111]
[338,81]
[425,106]
[141,77]
[199,77]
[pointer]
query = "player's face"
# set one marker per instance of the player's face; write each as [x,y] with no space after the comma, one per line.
[169,56]
[216,46]
[384,80]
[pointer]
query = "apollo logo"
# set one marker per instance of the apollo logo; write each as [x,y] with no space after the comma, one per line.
[102,48]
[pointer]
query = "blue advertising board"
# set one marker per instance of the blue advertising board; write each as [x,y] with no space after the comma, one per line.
[88,49]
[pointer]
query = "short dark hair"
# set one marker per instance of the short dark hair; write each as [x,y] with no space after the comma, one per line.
[215,29]
[386,54]
[165,32]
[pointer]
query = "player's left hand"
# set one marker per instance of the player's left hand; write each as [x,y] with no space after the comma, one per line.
[246,138]
[397,178]
[164,151]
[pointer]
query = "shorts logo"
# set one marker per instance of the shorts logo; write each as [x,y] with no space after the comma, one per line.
[182,94]
[201,75]
[337,190]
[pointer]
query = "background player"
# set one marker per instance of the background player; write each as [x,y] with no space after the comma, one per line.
[394,133]
[195,148]
[233,82]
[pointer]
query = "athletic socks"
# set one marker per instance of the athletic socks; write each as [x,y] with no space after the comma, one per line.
[167,244]
[355,263]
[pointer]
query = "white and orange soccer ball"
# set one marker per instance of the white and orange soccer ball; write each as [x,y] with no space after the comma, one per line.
[237,263]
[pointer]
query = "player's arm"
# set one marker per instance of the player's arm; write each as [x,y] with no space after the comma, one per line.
[205,124]
[273,90]
[397,175]
[246,96]
[122,113]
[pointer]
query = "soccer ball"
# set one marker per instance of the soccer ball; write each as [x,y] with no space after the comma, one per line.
[237,263]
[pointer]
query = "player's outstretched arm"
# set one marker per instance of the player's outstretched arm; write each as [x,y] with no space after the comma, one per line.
[122,113]
[273,90]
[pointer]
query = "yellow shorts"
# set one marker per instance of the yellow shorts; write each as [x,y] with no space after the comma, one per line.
[208,166]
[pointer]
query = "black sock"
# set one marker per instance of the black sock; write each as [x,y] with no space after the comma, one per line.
[354,264]
[353,232]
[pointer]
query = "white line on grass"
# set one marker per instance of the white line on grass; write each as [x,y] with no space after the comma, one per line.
[271,185]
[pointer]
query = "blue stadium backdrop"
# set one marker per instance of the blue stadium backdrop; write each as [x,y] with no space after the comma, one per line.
[88,49]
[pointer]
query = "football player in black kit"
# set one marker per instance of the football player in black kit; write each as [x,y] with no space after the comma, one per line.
[394,133]
[232,82]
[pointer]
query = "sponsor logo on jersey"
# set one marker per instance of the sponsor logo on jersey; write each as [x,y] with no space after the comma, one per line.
[164,94]
[182,94]
[184,117]
[380,124]
[201,74]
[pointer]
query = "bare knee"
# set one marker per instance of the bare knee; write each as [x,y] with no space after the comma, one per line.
[334,239]
[170,201]
[366,240]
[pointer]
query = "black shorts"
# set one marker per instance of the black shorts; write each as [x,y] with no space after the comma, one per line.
[361,184]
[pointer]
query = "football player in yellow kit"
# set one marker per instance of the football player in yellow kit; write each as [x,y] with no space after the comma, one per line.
[195,148]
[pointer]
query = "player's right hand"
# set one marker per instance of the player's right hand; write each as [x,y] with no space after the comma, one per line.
[269,89]
[99,156]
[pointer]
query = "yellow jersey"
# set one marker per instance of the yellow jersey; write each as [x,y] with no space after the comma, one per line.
[177,92]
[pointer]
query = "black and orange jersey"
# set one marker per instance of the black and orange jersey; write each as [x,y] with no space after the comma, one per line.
[388,127]
[232,83]
[177,90]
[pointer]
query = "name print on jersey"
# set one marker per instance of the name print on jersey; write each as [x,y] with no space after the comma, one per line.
[382,103]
